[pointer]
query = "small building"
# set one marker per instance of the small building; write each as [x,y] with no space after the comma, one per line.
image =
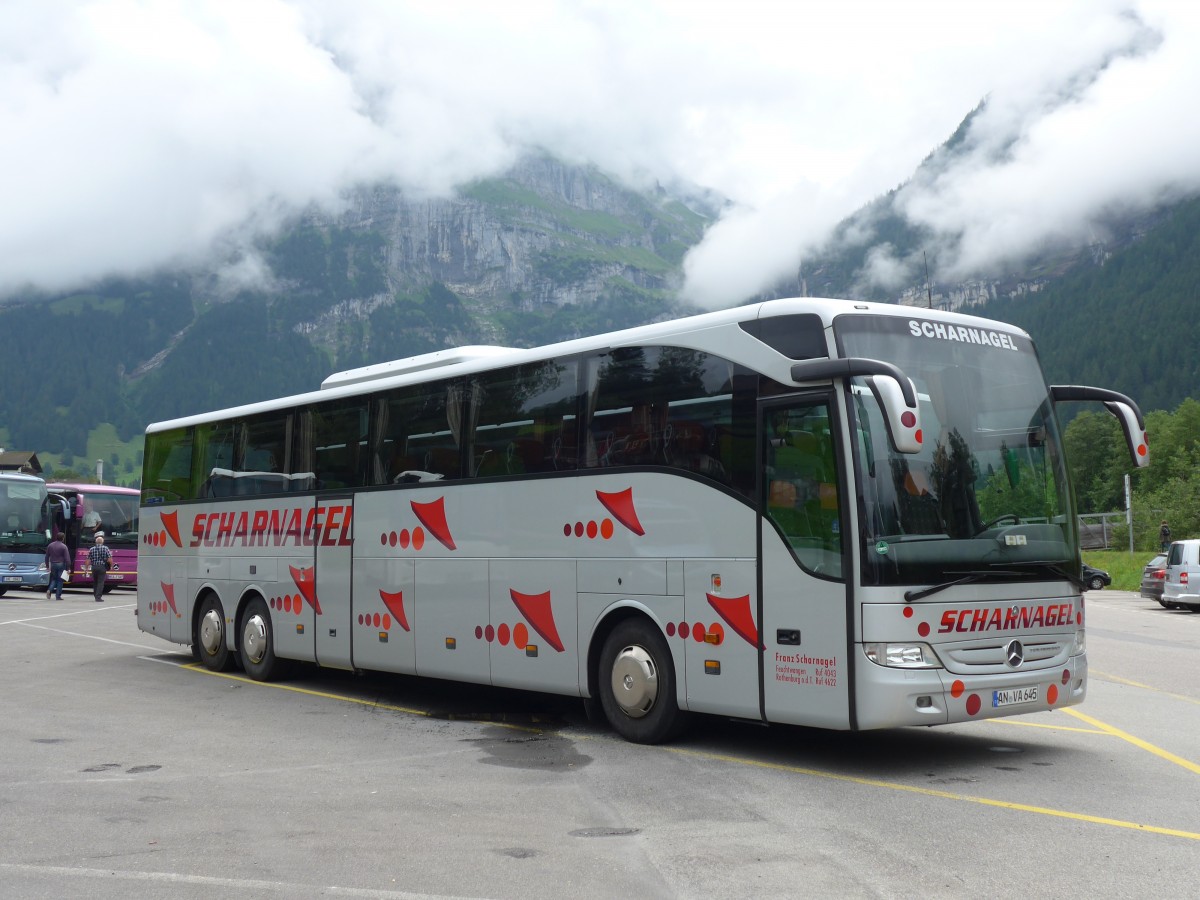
[22,461]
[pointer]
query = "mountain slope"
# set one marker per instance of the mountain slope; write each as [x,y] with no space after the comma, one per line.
[545,252]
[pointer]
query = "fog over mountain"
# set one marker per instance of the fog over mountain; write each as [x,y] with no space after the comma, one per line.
[144,136]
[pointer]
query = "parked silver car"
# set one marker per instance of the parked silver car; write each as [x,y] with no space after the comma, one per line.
[1181,585]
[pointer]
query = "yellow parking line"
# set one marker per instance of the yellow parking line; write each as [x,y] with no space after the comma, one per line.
[945,795]
[1137,742]
[197,667]
[797,770]
[1050,725]
[1147,687]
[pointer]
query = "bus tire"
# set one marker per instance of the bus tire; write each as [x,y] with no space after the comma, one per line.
[637,683]
[210,635]
[256,643]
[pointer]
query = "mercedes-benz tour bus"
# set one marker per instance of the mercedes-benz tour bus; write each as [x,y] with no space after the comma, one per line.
[819,512]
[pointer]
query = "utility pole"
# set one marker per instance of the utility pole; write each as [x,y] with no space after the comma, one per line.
[1129,512]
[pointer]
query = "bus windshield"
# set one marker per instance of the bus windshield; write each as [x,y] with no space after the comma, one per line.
[114,514]
[987,494]
[22,516]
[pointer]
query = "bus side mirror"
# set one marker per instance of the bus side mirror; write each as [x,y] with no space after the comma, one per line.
[903,422]
[1119,405]
[893,391]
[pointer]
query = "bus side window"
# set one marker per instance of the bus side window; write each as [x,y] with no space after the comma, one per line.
[414,436]
[802,486]
[519,416]
[166,474]
[338,440]
[213,459]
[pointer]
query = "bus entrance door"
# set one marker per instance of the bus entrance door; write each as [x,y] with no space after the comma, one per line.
[804,607]
[332,536]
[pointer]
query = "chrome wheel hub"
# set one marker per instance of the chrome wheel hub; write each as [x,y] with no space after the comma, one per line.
[254,638]
[212,634]
[634,682]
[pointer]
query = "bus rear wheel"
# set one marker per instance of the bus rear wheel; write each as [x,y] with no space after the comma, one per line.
[257,644]
[210,635]
[637,684]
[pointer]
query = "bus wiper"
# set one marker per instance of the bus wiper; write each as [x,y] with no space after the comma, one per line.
[972,577]
[968,578]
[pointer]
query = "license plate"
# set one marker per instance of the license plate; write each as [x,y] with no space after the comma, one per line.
[1016,695]
[12,579]
[111,577]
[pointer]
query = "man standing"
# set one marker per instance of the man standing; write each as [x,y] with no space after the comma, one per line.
[1164,536]
[58,561]
[99,558]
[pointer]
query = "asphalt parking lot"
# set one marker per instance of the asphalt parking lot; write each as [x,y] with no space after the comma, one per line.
[131,772]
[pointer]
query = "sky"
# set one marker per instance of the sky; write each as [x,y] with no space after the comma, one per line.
[136,136]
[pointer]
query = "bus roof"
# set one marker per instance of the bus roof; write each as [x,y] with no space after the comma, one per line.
[706,332]
[85,488]
[20,476]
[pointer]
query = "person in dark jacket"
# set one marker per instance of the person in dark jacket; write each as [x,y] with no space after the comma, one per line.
[58,560]
[100,559]
[1164,536]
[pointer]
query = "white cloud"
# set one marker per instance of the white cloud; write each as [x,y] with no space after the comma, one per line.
[143,133]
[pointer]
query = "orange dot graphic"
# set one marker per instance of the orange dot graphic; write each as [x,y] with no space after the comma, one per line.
[1052,694]
[956,689]
[718,630]
[520,636]
[418,538]
[606,529]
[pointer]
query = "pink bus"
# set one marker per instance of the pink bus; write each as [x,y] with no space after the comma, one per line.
[92,508]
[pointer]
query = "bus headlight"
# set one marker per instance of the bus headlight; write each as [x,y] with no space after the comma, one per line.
[902,656]
[1079,645]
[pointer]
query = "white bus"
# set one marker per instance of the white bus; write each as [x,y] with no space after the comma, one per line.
[834,514]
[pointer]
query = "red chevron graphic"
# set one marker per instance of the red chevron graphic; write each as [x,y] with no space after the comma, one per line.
[537,612]
[620,505]
[433,517]
[171,523]
[169,593]
[736,613]
[395,604]
[306,586]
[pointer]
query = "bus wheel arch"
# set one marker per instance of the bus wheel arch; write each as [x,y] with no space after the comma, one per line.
[256,639]
[210,634]
[632,671]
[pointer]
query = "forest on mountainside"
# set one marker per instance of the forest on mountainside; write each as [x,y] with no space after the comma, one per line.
[1129,325]
[1169,488]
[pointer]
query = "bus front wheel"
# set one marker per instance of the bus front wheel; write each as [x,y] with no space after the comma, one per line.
[257,644]
[210,635]
[637,684]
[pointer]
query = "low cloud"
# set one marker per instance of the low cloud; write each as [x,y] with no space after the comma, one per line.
[142,135]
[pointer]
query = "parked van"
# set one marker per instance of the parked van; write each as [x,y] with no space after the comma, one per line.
[1181,586]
